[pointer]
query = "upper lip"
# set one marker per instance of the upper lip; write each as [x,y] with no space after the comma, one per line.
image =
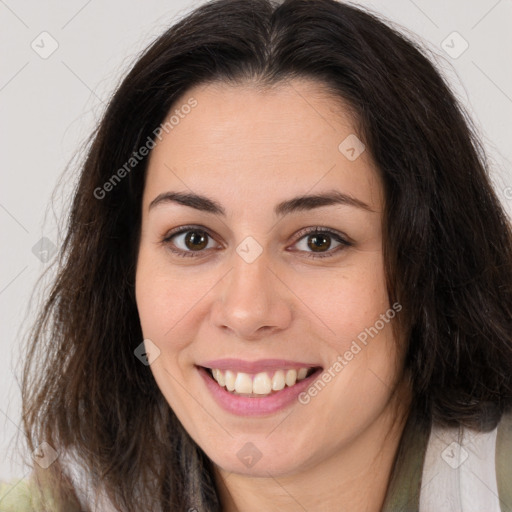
[260,365]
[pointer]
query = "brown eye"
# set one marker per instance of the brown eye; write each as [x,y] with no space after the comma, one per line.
[196,240]
[189,241]
[319,243]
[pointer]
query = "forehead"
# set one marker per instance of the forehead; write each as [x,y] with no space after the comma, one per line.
[260,142]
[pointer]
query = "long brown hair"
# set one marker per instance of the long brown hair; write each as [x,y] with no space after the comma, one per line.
[448,244]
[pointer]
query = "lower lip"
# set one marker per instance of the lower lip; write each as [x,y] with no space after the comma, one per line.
[256,406]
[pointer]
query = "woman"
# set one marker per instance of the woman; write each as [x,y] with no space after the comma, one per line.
[285,285]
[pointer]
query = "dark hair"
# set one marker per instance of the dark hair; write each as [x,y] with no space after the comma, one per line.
[447,242]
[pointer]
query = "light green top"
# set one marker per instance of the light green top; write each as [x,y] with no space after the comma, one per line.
[19,496]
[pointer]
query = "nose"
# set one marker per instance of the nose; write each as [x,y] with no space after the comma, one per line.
[252,302]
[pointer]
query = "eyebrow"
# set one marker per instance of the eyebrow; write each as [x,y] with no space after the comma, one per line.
[296,204]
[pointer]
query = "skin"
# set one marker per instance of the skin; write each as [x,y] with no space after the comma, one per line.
[249,149]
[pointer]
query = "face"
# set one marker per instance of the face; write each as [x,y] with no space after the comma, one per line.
[282,299]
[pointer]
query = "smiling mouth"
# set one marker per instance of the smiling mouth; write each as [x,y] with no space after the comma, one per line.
[260,384]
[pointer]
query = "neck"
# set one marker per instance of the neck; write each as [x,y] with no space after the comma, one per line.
[355,478]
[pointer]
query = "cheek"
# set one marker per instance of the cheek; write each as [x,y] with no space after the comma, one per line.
[154,292]
[344,303]
[169,302]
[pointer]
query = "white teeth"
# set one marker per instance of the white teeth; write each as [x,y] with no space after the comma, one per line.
[278,382]
[220,378]
[291,377]
[216,374]
[229,378]
[301,374]
[260,384]
[243,383]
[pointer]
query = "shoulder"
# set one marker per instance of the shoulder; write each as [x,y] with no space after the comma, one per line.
[504,461]
[18,496]
[468,470]
[88,493]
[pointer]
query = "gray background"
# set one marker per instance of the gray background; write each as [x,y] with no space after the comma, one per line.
[50,105]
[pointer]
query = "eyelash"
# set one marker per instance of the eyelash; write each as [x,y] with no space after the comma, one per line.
[317,230]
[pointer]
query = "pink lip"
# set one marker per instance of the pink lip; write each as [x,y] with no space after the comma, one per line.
[262,365]
[255,406]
